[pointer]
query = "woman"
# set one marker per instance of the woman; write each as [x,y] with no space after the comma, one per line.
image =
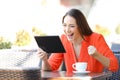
[81,45]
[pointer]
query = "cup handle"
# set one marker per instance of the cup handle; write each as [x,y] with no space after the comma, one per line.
[74,66]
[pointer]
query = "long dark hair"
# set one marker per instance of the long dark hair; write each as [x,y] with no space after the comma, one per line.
[81,21]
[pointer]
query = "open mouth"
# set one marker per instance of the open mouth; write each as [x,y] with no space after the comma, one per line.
[70,36]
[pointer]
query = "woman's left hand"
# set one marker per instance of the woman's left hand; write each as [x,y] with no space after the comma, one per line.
[91,50]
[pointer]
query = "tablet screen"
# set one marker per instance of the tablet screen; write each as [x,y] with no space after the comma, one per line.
[50,44]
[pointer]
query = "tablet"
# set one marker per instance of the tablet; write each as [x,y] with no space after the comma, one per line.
[50,44]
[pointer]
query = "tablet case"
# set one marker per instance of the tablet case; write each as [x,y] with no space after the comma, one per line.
[50,44]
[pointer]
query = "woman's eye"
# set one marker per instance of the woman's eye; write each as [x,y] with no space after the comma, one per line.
[72,26]
[64,25]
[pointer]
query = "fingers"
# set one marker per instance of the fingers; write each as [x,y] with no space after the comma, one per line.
[40,50]
[91,50]
[42,54]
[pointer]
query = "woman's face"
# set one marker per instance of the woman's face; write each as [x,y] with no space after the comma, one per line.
[70,28]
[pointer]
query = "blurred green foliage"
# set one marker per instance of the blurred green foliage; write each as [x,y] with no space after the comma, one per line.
[5,45]
[117,30]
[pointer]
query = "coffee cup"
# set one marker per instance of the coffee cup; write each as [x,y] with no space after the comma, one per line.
[80,66]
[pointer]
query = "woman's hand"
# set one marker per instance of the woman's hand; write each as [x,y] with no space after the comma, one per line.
[42,54]
[94,53]
[91,50]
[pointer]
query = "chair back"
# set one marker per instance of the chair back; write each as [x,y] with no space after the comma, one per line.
[115,47]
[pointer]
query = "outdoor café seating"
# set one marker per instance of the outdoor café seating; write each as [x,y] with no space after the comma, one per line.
[19,65]
[116,50]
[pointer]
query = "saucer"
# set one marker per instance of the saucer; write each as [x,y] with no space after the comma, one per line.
[81,72]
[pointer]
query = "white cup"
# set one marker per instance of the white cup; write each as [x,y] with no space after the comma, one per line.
[80,66]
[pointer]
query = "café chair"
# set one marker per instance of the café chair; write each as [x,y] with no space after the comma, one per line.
[20,74]
[116,50]
[63,67]
[115,47]
[19,65]
[116,75]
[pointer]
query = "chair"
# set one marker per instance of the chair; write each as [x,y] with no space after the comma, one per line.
[116,50]
[115,47]
[20,74]
[19,65]
[116,75]
[63,68]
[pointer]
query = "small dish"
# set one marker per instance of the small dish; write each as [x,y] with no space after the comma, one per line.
[81,72]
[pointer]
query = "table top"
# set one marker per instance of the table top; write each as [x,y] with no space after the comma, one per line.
[37,74]
[63,75]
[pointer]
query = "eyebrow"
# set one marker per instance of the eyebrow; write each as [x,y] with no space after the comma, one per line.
[69,24]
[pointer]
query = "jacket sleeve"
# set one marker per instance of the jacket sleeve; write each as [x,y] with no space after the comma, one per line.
[104,49]
[55,60]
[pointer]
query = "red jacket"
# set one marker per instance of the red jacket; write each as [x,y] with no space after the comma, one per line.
[69,57]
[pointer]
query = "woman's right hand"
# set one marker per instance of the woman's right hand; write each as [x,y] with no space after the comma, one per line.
[42,54]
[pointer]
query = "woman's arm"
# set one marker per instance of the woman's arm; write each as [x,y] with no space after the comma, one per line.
[45,65]
[52,63]
[104,60]
[103,53]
